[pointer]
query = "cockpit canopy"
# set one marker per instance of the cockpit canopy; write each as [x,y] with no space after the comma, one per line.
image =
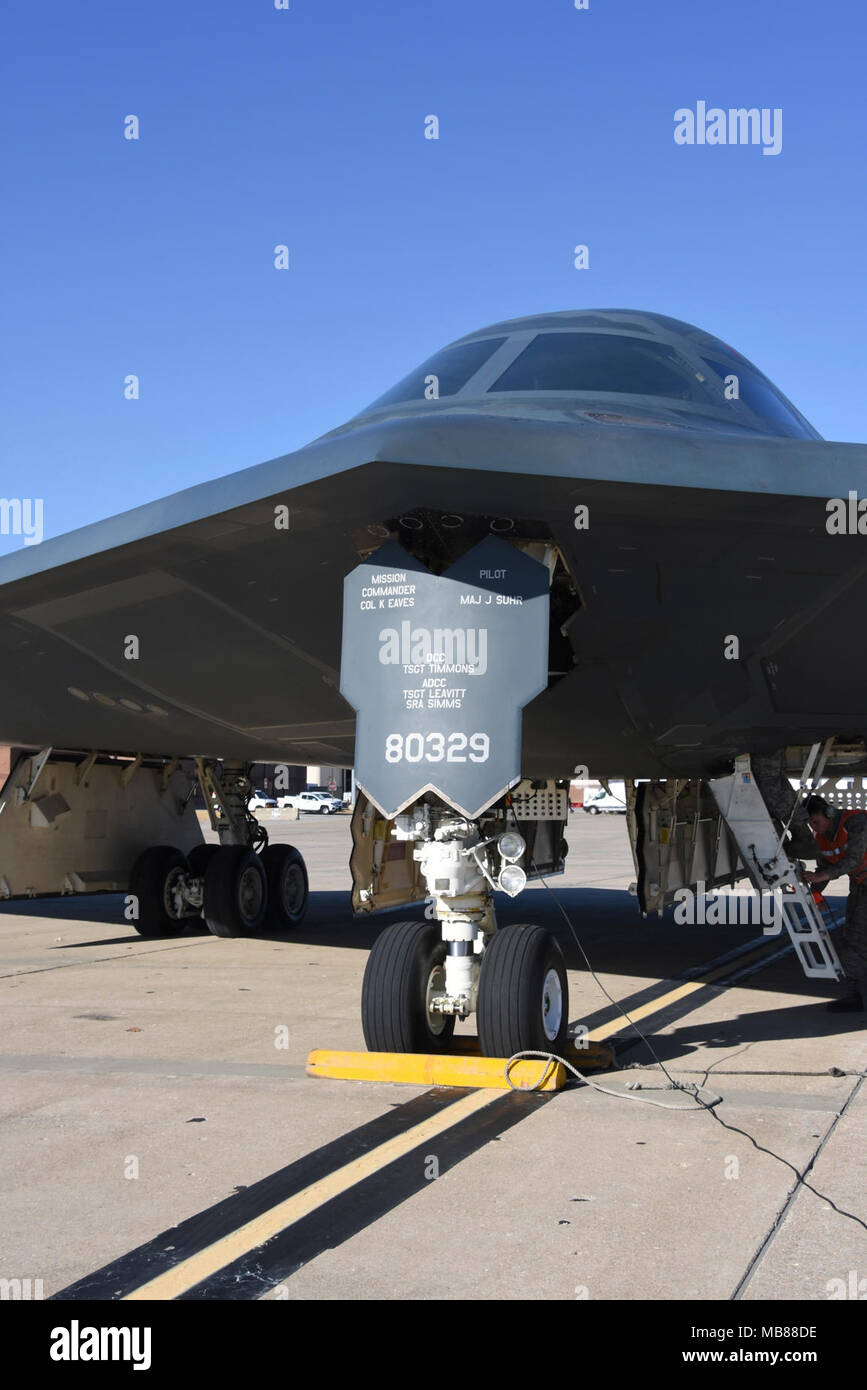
[654,360]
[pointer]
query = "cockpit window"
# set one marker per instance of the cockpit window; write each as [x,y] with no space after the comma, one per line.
[602,362]
[452,367]
[759,395]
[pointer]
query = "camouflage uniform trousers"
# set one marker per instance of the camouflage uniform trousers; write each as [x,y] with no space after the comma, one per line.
[780,799]
[853,944]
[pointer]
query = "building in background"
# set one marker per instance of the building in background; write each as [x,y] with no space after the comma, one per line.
[302,779]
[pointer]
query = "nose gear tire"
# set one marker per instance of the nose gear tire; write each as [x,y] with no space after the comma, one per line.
[523,993]
[406,963]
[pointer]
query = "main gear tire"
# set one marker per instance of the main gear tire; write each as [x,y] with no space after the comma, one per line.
[287,887]
[236,892]
[152,884]
[200,857]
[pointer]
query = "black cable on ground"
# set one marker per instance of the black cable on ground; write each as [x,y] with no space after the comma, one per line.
[678,1086]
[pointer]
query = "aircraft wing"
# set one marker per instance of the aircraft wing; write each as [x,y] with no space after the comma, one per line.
[237,619]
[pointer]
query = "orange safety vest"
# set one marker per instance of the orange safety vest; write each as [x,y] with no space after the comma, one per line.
[832,851]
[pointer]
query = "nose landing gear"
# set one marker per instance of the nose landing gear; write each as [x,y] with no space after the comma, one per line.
[422,976]
[438,695]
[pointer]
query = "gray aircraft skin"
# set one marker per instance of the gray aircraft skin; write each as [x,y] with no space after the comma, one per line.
[706,521]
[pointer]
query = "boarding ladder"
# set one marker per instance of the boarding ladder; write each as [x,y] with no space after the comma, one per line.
[768,866]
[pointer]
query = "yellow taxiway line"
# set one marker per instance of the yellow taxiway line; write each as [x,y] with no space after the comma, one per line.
[654,1006]
[182,1277]
[185,1275]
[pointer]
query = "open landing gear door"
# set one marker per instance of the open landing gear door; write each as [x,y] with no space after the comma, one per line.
[439,668]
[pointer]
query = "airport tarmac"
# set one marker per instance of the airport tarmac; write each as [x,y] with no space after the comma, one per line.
[161,1138]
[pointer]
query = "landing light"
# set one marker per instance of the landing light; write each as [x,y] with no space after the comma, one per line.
[512,880]
[511,845]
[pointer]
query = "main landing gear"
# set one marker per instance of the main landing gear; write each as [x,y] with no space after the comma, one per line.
[422,976]
[237,890]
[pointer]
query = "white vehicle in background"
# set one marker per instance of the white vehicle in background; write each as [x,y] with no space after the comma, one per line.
[261,801]
[321,803]
[614,801]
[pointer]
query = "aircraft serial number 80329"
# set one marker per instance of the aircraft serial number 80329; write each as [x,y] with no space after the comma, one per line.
[433,747]
[666,493]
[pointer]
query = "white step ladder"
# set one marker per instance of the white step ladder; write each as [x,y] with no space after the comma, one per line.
[743,808]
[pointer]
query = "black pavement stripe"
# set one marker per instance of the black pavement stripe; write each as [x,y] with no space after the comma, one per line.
[345,1216]
[119,1278]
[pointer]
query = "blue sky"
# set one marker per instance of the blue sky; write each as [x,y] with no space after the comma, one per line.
[306,127]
